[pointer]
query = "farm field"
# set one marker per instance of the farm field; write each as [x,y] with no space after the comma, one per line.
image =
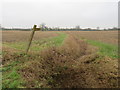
[60,59]
[110,37]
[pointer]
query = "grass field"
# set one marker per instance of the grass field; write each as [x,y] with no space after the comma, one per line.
[71,59]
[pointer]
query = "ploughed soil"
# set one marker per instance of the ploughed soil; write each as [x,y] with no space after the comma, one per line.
[110,37]
[23,36]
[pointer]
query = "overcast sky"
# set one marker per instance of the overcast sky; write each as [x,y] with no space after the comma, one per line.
[60,13]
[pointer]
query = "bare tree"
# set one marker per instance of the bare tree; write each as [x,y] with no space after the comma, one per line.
[42,26]
[98,28]
[77,27]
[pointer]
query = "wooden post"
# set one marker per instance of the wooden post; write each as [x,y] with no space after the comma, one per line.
[31,37]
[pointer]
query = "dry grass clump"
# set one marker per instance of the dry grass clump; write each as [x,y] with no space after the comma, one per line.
[7,55]
[58,67]
[73,65]
[75,47]
[103,69]
[55,64]
[70,66]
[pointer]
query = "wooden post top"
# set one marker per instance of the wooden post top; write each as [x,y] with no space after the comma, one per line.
[35,28]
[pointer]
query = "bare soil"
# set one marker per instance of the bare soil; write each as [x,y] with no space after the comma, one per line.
[19,36]
[110,37]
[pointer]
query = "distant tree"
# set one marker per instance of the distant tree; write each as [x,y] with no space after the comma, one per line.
[88,29]
[104,29]
[42,26]
[0,27]
[114,28]
[77,27]
[98,28]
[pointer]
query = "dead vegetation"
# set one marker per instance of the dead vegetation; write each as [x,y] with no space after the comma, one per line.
[69,66]
[75,64]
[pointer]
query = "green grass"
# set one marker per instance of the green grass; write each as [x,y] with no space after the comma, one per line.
[105,49]
[10,75]
[11,78]
[16,45]
[54,41]
[38,44]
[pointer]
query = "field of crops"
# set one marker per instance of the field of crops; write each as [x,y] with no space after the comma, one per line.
[59,59]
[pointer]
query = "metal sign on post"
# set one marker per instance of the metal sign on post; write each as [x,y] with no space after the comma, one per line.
[31,37]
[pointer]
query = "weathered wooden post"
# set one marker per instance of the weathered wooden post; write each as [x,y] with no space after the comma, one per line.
[31,37]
